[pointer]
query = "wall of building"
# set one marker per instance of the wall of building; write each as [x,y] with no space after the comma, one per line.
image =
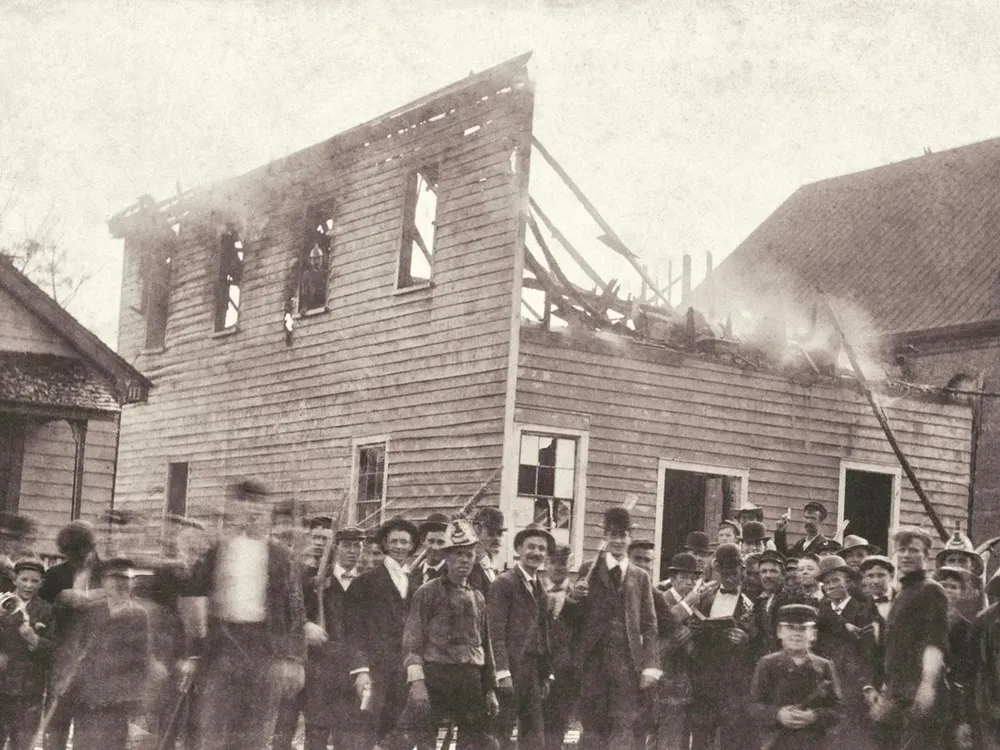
[426,367]
[641,404]
[22,332]
[47,475]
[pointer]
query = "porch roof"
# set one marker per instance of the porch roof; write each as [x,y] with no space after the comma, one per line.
[50,382]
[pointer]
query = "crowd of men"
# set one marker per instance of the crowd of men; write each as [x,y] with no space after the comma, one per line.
[410,637]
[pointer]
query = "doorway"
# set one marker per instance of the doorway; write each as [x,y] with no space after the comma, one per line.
[870,501]
[695,497]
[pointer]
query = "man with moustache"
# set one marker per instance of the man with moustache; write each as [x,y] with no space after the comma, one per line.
[519,631]
[489,527]
[330,705]
[447,654]
[768,602]
[375,610]
[558,705]
[814,515]
[432,538]
[617,650]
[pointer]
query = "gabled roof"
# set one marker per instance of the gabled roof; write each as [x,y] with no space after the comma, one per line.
[915,244]
[93,351]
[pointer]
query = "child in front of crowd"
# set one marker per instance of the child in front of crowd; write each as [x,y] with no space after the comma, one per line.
[795,694]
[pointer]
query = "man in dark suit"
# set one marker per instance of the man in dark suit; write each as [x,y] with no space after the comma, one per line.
[617,651]
[432,538]
[722,657]
[519,631]
[252,648]
[330,705]
[814,516]
[375,611]
[490,528]
[558,705]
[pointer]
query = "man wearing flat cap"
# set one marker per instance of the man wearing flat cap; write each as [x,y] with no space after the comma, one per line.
[813,515]
[251,648]
[520,635]
[432,538]
[330,706]
[490,528]
[722,651]
[375,611]
[617,645]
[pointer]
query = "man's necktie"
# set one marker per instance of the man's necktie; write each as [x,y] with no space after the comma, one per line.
[881,599]
[616,576]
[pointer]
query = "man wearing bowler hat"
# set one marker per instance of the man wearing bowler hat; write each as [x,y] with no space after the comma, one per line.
[432,538]
[520,635]
[814,515]
[617,649]
[723,657]
[699,545]
[754,539]
[489,526]
[375,610]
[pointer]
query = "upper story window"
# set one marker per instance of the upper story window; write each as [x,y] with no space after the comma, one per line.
[416,254]
[229,284]
[314,264]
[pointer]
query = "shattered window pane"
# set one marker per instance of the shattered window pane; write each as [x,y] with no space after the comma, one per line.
[546,481]
[420,214]
[371,482]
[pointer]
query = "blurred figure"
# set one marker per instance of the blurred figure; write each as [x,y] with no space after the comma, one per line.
[558,705]
[962,660]
[287,527]
[489,527]
[253,648]
[17,533]
[25,653]
[103,671]
[372,554]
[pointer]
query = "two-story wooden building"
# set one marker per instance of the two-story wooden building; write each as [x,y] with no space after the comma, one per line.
[348,324]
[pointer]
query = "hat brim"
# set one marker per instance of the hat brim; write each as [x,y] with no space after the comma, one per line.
[977,561]
[398,524]
[839,569]
[692,571]
[869,549]
[525,533]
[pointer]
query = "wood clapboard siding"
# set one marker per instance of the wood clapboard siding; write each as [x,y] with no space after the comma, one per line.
[427,367]
[47,476]
[646,404]
[22,332]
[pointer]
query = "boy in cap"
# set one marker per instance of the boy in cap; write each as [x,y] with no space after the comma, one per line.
[723,656]
[108,657]
[25,650]
[16,532]
[617,650]
[520,636]
[795,694]
[330,707]
[375,612]
[729,532]
[432,537]
[814,516]
[489,526]
[447,653]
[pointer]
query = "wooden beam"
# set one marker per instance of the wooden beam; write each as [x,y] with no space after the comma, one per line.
[558,272]
[564,241]
[79,427]
[886,428]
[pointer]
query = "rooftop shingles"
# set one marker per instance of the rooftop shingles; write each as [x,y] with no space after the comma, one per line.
[47,380]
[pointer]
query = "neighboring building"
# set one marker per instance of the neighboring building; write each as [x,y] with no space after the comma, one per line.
[346,325]
[61,392]
[912,247]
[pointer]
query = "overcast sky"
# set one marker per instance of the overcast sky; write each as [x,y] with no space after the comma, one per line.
[686,122]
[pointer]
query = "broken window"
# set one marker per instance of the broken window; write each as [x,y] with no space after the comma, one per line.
[177,487]
[228,292]
[416,254]
[157,287]
[546,478]
[314,265]
[370,490]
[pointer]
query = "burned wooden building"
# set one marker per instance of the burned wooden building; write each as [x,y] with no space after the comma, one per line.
[388,319]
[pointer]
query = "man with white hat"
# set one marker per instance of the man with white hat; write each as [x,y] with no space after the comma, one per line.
[447,653]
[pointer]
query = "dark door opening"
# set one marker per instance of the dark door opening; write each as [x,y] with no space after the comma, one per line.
[868,505]
[11,461]
[694,501]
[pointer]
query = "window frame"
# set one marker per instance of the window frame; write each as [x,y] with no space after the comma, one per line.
[221,298]
[168,486]
[315,213]
[661,468]
[410,201]
[896,472]
[578,523]
[357,445]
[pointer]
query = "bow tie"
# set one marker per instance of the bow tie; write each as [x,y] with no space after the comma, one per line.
[731,592]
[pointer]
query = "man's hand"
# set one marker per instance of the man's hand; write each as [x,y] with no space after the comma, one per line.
[579,591]
[492,704]
[289,675]
[737,637]
[418,695]
[794,718]
[505,687]
[923,700]
[782,523]
[546,687]
[315,635]
[700,589]
[647,681]
[362,680]
[681,636]
[29,635]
